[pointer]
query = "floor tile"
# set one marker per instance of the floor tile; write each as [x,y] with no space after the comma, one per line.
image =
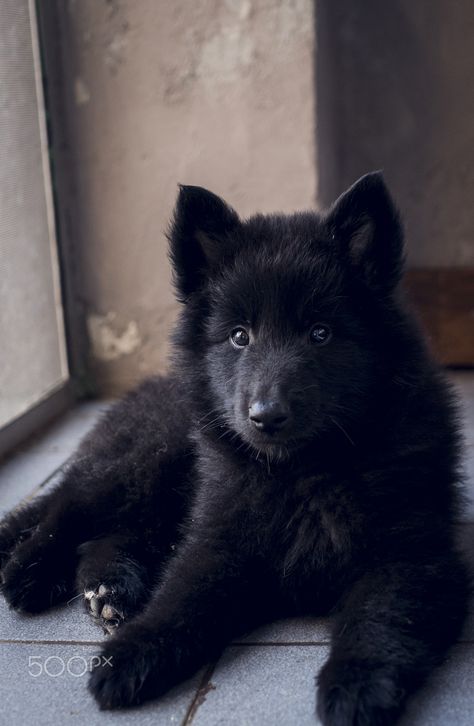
[35,462]
[263,686]
[62,697]
[72,623]
[275,686]
[449,697]
[69,622]
[292,630]
[263,681]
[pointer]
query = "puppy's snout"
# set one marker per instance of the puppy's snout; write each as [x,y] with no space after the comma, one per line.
[268,415]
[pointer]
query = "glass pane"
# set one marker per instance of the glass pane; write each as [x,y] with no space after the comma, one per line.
[32,351]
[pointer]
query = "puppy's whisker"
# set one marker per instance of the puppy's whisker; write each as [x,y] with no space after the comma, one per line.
[341,428]
[81,594]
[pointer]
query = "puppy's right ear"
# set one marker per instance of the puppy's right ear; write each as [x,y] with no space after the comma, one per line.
[198,237]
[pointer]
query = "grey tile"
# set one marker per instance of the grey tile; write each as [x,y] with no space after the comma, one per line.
[275,686]
[70,623]
[32,464]
[449,696]
[263,685]
[62,697]
[292,630]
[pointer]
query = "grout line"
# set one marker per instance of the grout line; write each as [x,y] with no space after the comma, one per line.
[14,641]
[237,644]
[253,644]
[200,696]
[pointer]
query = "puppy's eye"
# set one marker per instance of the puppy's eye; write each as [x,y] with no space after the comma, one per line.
[239,338]
[320,334]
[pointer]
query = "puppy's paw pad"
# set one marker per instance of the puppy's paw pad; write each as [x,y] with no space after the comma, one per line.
[100,603]
[111,618]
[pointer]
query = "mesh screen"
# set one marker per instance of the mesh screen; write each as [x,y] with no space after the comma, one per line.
[32,358]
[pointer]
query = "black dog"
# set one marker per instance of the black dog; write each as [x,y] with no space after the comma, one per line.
[300,458]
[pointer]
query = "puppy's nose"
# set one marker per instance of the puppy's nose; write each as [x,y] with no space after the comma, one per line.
[268,415]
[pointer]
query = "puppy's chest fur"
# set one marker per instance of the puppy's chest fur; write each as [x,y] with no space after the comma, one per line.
[303,526]
[312,528]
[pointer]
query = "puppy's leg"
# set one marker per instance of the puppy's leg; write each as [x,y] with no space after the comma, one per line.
[395,627]
[115,574]
[18,526]
[136,459]
[207,596]
[39,565]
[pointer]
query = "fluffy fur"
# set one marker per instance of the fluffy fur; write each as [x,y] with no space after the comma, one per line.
[301,457]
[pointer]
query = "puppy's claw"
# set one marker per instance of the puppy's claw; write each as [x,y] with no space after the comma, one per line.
[96,603]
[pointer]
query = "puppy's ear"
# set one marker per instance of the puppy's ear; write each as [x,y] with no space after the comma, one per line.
[198,237]
[366,224]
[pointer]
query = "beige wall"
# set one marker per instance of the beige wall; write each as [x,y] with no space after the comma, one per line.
[224,94]
[215,93]
[400,97]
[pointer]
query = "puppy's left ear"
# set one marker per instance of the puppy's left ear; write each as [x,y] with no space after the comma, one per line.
[365,221]
[199,237]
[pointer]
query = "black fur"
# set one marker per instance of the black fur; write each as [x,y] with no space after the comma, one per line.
[303,472]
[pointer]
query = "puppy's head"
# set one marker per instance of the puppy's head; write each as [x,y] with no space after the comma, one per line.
[285,314]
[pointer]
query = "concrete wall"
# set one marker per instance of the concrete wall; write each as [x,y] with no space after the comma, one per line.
[398,80]
[216,93]
[274,104]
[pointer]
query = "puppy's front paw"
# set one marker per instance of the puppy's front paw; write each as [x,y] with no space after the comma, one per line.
[120,682]
[101,603]
[16,527]
[356,692]
[140,666]
[37,576]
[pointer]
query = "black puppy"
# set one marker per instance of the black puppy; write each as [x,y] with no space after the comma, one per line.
[301,457]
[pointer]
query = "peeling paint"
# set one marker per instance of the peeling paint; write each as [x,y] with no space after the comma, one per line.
[109,339]
[225,56]
[245,9]
[81,92]
[115,52]
[231,49]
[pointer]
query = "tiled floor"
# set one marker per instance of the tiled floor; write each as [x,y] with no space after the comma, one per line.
[267,679]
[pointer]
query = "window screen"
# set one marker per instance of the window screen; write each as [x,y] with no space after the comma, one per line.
[32,349]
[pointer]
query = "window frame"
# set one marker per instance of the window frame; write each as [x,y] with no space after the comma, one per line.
[58,399]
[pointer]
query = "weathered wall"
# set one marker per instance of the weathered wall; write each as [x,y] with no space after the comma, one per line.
[400,97]
[213,93]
